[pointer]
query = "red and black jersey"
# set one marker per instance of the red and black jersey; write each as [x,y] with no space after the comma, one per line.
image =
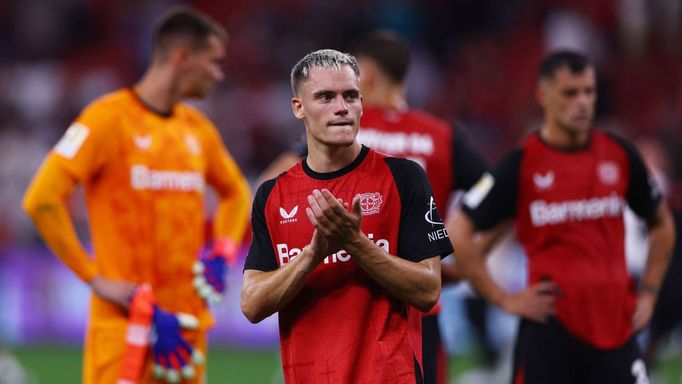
[568,210]
[343,327]
[445,154]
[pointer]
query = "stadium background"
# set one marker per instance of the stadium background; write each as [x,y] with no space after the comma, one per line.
[473,62]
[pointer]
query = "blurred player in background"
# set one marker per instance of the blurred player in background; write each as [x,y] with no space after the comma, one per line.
[389,126]
[343,285]
[566,188]
[144,159]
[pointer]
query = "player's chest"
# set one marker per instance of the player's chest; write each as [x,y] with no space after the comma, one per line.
[170,146]
[573,177]
[291,229]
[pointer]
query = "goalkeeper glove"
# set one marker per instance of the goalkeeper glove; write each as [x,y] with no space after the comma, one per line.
[174,357]
[149,324]
[210,272]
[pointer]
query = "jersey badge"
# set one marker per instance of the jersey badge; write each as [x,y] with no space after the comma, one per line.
[473,197]
[73,139]
[432,214]
[143,142]
[370,203]
[608,172]
[432,218]
[192,145]
[543,181]
[288,217]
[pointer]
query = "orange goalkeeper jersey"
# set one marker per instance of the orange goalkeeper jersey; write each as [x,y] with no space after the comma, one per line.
[144,178]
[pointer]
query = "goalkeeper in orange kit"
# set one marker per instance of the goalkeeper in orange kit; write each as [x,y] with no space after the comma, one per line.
[144,159]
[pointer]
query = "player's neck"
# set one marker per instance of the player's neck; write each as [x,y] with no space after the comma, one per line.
[157,91]
[558,137]
[324,158]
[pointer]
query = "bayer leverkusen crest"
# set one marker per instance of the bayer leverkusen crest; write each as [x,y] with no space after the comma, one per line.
[370,203]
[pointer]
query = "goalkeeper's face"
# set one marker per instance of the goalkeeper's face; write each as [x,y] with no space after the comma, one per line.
[202,69]
[568,99]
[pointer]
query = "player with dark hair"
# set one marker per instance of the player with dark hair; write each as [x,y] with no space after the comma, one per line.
[144,159]
[344,243]
[389,126]
[565,188]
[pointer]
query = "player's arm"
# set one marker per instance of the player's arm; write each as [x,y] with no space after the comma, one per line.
[413,275]
[484,242]
[234,195]
[661,241]
[266,288]
[266,292]
[645,199]
[536,302]
[45,203]
[83,150]
[487,210]
[229,220]
[416,283]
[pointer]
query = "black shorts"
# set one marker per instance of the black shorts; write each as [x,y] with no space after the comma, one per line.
[548,353]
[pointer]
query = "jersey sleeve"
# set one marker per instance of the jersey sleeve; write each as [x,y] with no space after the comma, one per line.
[89,143]
[45,202]
[261,254]
[223,174]
[643,195]
[493,198]
[422,234]
[84,150]
[468,165]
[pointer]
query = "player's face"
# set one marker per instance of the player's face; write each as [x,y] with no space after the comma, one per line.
[203,69]
[568,99]
[329,103]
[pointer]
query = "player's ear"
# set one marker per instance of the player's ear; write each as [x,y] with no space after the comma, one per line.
[180,55]
[297,107]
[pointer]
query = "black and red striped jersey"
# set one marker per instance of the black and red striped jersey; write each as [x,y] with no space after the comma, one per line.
[568,212]
[343,327]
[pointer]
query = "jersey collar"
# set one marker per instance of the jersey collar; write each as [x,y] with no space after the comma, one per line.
[162,114]
[579,148]
[338,173]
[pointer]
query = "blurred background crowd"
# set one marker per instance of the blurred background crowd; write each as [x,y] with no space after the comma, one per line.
[473,62]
